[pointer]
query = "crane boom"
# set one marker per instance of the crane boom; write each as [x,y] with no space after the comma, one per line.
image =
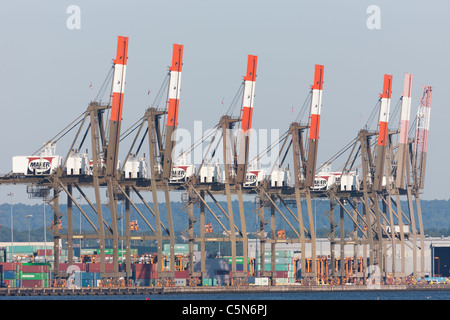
[316,106]
[404,127]
[118,89]
[383,123]
[172,113]
[248,97]
[421,140]
[249,94]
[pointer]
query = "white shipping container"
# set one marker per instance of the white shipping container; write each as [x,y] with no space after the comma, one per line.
[77,164]
[35,165]
[406,229]
[280,178]
[254,177]
[210,173]
[180,173]
[263,281]
[180,282]
[349,182]
[135,168]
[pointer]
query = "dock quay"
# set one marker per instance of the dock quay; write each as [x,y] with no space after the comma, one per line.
[202,290]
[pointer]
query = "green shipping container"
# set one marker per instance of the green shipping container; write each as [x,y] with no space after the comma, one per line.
[239,260]
[280,253]
[34,276]
[277,260]
[179,247]
[207,282]
[278,267]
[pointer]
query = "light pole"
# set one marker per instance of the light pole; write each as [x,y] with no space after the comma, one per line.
[12,233]
[29,228]
[219,254]
[45,236]
[79,200]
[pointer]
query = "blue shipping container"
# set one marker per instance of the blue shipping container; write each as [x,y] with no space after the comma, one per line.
[87,276]
[9,275]
[87,283]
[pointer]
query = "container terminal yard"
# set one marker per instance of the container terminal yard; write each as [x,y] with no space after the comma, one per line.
[385,246]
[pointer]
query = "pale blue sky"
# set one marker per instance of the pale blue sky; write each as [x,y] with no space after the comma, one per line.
[47,68]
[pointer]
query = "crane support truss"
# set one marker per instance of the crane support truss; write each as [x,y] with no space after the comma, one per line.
[381,226]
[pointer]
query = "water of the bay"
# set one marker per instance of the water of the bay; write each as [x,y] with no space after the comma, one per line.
[352,295]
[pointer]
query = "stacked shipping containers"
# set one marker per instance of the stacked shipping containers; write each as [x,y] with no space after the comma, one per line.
[11,272]
[86,279]
[284,265]
[35,275]
[144,274]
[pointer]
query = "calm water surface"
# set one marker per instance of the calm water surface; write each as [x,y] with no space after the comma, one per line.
[363,295]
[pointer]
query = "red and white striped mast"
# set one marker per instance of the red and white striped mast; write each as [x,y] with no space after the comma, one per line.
[383,131]
[421,139]
[173,105]
[112,150]
[248,98]
[316,107]
[404,128]
[118,89]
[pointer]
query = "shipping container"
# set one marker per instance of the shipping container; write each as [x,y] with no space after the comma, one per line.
[280,178]
[239,260]
[95,267]
[35,276]
[35,165]
[143,271]
[182,274]
[280,253]
[182,247]
[43,252]
[142,282]
[35,268]
[72,267]
[10,266]
[87,283]
[32,283]
[278,267]
[77,164]
[210,173]
[9,275]
[10,283]
[180,282]
[135,168]
[181,172]
[207,282]
[261,281]
[277,260]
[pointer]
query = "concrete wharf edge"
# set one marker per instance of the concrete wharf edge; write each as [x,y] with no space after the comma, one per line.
[216,289]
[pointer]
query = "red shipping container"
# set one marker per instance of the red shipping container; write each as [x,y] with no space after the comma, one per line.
[142,271]
[32,283]
[282,274]
[34,269]
[42,252]
[95,267]
[182,274]
[9,266]
[65,266]
[109,267]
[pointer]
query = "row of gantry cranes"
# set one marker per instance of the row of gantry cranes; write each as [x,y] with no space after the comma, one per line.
[379,167]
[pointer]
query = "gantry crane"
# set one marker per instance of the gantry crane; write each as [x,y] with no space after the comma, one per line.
[304,158]
[373,204]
